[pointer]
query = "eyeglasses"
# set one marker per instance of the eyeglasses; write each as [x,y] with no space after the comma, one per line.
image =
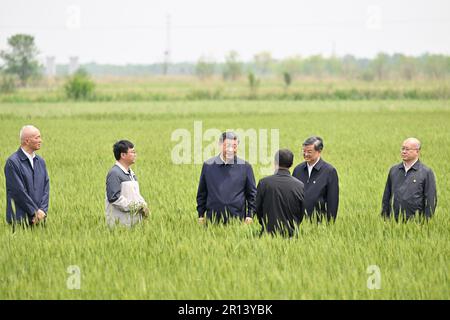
[407,149]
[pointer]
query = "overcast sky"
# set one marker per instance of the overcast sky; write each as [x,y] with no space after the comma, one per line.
[134,31]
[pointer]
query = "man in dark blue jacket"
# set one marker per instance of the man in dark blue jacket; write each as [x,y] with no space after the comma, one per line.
[321,182]
[227,187]
[27,181]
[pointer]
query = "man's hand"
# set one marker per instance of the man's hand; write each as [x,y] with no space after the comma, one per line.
[201,220]
[38,217]
[248,220]
[146,211]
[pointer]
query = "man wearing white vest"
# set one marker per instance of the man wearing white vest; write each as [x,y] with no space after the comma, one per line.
[124,203]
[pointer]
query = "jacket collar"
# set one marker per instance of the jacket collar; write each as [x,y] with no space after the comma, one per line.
[317,166]
[282,172]
[23,156]
[218,160]
[415,167]
[124,170]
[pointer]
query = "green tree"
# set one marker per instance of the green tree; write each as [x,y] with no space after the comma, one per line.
[349,67]
[315,66]
[253,83]
[233,67]
[380,66]
[292,65]
[79,86]
[205,68]
[287,79]
[263,62]
[406,66]
[435,65]
[20,59]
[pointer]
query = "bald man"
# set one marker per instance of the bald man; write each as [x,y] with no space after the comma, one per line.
[410,187]
[27,182]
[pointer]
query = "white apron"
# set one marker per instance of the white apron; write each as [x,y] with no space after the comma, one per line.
[123,210]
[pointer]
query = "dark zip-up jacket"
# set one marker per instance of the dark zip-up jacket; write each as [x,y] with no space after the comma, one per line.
[408,193]
[226,190]
[321,189]
[27,187]
[279,203]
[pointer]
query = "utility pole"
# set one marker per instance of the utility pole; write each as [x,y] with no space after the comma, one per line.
[167,52]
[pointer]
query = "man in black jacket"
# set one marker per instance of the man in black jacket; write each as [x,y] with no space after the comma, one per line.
[321,182]
[410,186]
[279,198]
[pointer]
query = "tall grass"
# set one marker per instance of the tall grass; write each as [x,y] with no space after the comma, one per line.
[171,257]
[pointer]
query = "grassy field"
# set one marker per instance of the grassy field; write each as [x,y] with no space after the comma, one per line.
[191,88]
[171,257]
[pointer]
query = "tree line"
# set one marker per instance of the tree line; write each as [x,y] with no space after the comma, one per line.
[19,64]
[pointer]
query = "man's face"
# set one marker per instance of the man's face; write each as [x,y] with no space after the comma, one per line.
[130,156]
[34,140]
[409,151]
[229,148]
[310,154]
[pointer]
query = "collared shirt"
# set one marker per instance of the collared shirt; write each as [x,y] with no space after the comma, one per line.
[407,168]
[226,189]
[230,161]
[321,188]
[128,172]
[409,192]
[279,203]
[310,167]
[29,156]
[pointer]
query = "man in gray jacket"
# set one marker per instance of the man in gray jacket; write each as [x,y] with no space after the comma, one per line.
[124,203]
[410,186]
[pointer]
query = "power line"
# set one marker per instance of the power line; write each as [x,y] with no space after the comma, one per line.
[342,23]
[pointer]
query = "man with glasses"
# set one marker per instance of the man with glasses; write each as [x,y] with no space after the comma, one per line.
[321,182]
[410,187]
[227,187]
[124,203]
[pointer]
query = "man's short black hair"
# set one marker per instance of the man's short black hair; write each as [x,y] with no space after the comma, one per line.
[316,141]
[228,135]
[120,147]
[284,158]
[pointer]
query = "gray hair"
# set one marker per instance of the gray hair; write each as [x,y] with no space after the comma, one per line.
[316,141]
[414,140]
[24,128]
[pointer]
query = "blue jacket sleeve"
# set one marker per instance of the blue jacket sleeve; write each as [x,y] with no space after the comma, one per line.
[202,193]
[16,188]
[250,192]
[45,198]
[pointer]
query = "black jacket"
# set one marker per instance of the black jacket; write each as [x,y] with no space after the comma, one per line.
[409,193]
[321,189]
[279,203]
